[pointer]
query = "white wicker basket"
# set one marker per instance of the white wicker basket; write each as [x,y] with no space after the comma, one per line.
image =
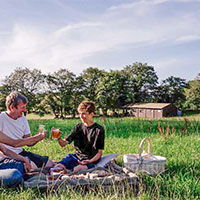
[146,163]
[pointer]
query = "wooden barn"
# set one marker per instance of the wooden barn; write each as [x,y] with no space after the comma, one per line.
[152,110]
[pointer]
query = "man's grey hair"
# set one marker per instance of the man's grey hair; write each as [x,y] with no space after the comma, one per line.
[14,98]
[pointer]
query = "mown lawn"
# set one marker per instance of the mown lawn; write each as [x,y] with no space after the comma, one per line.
[181,180]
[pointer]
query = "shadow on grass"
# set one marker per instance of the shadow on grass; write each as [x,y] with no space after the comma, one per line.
[179,181]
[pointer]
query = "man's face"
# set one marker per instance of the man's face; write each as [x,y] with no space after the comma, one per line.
[85,116]
[21,108]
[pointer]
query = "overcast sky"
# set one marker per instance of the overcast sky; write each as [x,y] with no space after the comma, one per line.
[108,34]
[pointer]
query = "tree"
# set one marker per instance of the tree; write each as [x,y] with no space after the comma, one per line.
[160,94]
[41,107]
[77,95]
[193,95]
[26,81]
[141,81]
[90,78]
[61,91]
[4,92]
[110,91]
[171,90]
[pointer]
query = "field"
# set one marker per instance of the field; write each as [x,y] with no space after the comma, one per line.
[178,141]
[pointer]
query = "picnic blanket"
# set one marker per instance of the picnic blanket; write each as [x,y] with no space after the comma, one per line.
[108,177]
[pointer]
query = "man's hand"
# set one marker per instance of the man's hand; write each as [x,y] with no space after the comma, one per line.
[84,162]
[41,136]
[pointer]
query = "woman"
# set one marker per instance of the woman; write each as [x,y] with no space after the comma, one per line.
[12,167]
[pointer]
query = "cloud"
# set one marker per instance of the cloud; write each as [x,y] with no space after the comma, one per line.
[166,63]
[136,25]
[188,1]
[70,27]
[185,67]
[4,32]
[147,20]
[136,4]
[188,38]
[146,3]
[64,47]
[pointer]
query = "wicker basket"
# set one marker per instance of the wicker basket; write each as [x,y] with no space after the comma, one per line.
[145,163]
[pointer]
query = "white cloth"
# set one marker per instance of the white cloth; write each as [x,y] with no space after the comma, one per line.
[15,129]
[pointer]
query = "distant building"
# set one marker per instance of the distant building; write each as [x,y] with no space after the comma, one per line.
[152,110]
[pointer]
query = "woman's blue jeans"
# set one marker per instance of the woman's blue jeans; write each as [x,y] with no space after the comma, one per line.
[11,172]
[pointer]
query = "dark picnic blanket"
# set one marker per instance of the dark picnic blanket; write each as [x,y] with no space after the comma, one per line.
[104,177]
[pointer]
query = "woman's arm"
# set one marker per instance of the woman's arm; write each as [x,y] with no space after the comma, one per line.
[15,156]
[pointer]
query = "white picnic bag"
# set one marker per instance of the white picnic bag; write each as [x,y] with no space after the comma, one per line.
[145,163]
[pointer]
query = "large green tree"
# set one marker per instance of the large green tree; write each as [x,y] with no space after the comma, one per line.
[110,91]
[141,81]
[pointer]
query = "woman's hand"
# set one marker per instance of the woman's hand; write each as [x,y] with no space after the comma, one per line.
[27,165]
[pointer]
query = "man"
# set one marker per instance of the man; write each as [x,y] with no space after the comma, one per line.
[88,138]
[15,125]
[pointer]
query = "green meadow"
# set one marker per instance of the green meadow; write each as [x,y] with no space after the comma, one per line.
[178,140]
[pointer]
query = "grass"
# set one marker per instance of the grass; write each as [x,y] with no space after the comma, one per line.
[181,180]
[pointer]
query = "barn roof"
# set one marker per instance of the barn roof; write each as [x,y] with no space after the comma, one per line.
[150,105]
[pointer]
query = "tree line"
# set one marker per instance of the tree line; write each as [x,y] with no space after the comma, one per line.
[60,92]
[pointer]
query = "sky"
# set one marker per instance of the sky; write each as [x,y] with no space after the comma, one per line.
[107,34]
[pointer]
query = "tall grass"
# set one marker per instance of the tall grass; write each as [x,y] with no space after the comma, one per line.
[181,180]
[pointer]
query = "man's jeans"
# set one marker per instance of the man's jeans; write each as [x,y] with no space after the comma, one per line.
[11,172]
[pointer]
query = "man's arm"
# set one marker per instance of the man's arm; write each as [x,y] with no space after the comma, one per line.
[15,156]
[21,142]
[34,139]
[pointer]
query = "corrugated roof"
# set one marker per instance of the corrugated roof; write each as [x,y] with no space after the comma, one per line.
[150,105]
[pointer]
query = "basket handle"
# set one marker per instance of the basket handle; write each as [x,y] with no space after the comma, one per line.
[141,144]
